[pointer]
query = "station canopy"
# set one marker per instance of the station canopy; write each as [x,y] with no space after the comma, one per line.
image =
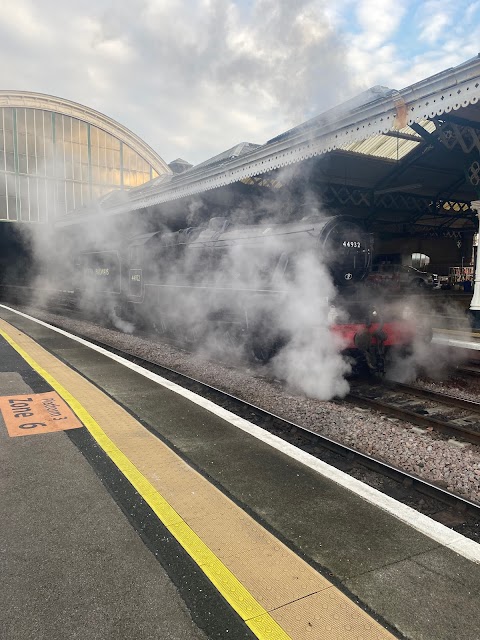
[405,161]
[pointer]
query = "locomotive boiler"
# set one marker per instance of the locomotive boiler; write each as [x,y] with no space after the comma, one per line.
[236,282]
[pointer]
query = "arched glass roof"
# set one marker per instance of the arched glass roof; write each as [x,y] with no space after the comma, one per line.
[57,155]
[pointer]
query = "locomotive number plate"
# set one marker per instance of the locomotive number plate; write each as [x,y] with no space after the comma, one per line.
[135,282]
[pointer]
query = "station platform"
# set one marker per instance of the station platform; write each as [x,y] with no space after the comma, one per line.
[463,339]
[133,508]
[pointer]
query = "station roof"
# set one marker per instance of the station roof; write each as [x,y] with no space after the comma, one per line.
[406,153]
[44,102]
[241,149]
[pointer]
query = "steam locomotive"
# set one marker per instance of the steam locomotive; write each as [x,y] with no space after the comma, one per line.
[247,284]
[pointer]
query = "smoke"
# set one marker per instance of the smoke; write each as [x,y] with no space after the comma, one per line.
[311,361]
[292,323]
[255,295]
[424,356]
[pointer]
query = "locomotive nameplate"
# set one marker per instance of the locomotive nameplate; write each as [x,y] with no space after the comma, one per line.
[36,413]
[101,272]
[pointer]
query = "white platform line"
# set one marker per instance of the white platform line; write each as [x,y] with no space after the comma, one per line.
[456,342]
[425,525]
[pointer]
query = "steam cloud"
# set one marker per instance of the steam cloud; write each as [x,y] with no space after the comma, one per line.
[290,319]
[189,305]
[425,357]
[212,63]
[311,361]
[209,305]
[284,305]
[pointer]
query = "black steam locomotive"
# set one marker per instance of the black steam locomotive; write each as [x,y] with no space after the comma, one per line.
[238,281]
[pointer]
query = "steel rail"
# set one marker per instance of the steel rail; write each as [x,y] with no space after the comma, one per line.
[293,432]
[397,411]
[443,398]
[473,370]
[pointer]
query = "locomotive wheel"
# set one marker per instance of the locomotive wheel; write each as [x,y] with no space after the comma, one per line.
[265,351]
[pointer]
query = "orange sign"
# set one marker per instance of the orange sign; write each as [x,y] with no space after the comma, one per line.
[37,413]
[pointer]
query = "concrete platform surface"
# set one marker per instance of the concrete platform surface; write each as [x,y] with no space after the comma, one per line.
[72,566]
[399,581]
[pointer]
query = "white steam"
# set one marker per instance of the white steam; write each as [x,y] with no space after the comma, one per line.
[311,362]
[260,296]
[424,356]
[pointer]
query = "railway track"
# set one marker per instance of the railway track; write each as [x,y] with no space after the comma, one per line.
[472,369]
[452,510]
[440,412]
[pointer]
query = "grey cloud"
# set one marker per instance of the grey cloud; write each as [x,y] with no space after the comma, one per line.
[191,86]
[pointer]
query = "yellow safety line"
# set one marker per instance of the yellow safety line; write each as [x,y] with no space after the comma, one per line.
[241,600]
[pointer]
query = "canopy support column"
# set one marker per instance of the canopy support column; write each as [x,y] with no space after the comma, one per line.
[475,303]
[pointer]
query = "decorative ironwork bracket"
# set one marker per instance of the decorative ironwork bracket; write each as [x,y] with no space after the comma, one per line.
[344,195]
[453,135]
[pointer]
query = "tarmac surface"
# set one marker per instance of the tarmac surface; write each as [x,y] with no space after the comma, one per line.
[72,565]
[85,554]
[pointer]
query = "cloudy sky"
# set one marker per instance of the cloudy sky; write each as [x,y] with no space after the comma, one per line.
[195,77]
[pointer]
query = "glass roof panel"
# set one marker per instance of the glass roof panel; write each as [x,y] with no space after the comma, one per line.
[389,146]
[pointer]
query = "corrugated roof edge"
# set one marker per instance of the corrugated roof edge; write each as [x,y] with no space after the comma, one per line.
[238,150]
[344,108]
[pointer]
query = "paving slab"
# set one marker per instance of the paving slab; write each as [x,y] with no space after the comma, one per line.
[435,595]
